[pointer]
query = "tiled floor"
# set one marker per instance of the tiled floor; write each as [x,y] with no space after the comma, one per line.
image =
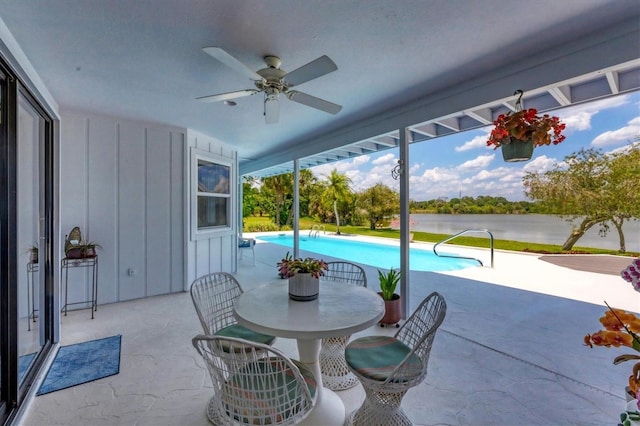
[508,353]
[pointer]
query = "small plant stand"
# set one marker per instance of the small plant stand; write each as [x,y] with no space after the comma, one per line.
[32,268]
[87,262]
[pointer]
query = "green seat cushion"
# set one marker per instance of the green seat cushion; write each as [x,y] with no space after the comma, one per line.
[375,357]
[241,332]
[255,393]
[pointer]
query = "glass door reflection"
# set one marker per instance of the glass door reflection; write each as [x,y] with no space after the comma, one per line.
[31,135]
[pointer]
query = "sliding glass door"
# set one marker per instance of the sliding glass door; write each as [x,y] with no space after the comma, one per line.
[26,235]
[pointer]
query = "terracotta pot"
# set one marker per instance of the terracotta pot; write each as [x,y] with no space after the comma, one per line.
[392,310]
[74,253]
[303,287]
[89,252]
[517,150]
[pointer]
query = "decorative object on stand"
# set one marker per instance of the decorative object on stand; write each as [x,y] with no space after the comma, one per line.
[392,305]
[621,328]
[304,277]
[519,132]
[77,248]
[72,247]
[32,251]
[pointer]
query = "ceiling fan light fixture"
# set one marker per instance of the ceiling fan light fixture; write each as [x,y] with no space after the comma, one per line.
[271,109]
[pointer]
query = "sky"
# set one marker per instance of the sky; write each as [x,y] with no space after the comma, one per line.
[462,165]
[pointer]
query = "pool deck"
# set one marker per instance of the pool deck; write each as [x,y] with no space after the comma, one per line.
[510,351]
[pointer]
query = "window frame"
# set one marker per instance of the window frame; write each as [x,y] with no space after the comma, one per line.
[197,232]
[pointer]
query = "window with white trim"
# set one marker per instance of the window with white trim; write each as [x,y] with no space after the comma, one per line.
[212,197]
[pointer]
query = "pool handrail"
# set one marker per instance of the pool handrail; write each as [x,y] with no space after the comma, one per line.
[317,229]
[466,231]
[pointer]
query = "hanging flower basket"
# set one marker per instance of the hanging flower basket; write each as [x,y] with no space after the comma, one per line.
[519,132]
[517,150]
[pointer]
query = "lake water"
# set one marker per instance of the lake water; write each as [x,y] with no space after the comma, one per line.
[534,228]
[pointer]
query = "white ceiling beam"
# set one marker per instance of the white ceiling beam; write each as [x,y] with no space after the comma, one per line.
[483,115]
[386,141]
[562,94]
[427,129]
[612,79]
[450,123]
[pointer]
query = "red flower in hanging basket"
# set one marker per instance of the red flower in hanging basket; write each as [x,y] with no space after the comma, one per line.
[526,125]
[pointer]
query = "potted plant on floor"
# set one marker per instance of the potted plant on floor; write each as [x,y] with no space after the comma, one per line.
[519,132]
[304,277]
[392,306]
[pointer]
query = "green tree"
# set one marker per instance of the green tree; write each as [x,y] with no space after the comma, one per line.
[378,202]
[337,190]
[250,196]
[593,187]
[278,187]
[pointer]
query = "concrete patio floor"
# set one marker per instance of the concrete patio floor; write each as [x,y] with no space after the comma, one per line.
[509,352]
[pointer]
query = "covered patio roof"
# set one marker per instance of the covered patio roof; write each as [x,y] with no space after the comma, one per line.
[600,84]
[430,66]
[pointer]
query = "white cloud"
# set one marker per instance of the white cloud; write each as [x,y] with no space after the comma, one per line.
[385,159]
[540,164]
[478,162]
[578,118]
[617,137]
[479,141]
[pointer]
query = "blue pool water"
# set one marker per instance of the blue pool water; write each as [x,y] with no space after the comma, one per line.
[378,255]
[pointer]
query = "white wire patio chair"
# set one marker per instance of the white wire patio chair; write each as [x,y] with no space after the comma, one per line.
[388,366]
[335,372]
[213,297]
[253,390]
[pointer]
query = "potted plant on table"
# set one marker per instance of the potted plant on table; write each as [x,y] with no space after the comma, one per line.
[519,132]
[392,307]
[304,276]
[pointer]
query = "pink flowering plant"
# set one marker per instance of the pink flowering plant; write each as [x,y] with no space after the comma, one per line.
[288,266]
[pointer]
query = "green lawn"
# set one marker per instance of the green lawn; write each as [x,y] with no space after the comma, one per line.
[307,223]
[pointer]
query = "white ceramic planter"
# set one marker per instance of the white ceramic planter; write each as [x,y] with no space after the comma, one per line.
[303,287]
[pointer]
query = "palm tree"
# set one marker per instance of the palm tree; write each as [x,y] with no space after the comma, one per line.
[337,190]
[306,180]
[279,186]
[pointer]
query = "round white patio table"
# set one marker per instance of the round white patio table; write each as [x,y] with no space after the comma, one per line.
[338,311]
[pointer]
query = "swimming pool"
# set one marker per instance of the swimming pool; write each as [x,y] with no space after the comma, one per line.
[378,255]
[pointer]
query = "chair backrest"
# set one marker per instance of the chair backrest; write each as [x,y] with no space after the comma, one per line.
[254,389]
[345,272]
[418,333]
[213,297]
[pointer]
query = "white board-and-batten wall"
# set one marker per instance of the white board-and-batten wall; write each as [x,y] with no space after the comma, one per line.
[126,185]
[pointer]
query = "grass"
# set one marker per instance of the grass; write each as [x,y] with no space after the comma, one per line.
[482,242]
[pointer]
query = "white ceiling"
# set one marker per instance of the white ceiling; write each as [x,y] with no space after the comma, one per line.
[436,66]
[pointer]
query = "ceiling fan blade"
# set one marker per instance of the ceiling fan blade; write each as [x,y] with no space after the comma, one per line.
[313,102]
[226,96]
[271,109]
[314,69]
[232,62]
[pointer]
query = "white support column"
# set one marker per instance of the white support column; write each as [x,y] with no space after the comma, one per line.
[296,208]
[404,220]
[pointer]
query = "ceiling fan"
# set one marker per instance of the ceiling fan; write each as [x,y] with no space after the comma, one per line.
[274,81]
